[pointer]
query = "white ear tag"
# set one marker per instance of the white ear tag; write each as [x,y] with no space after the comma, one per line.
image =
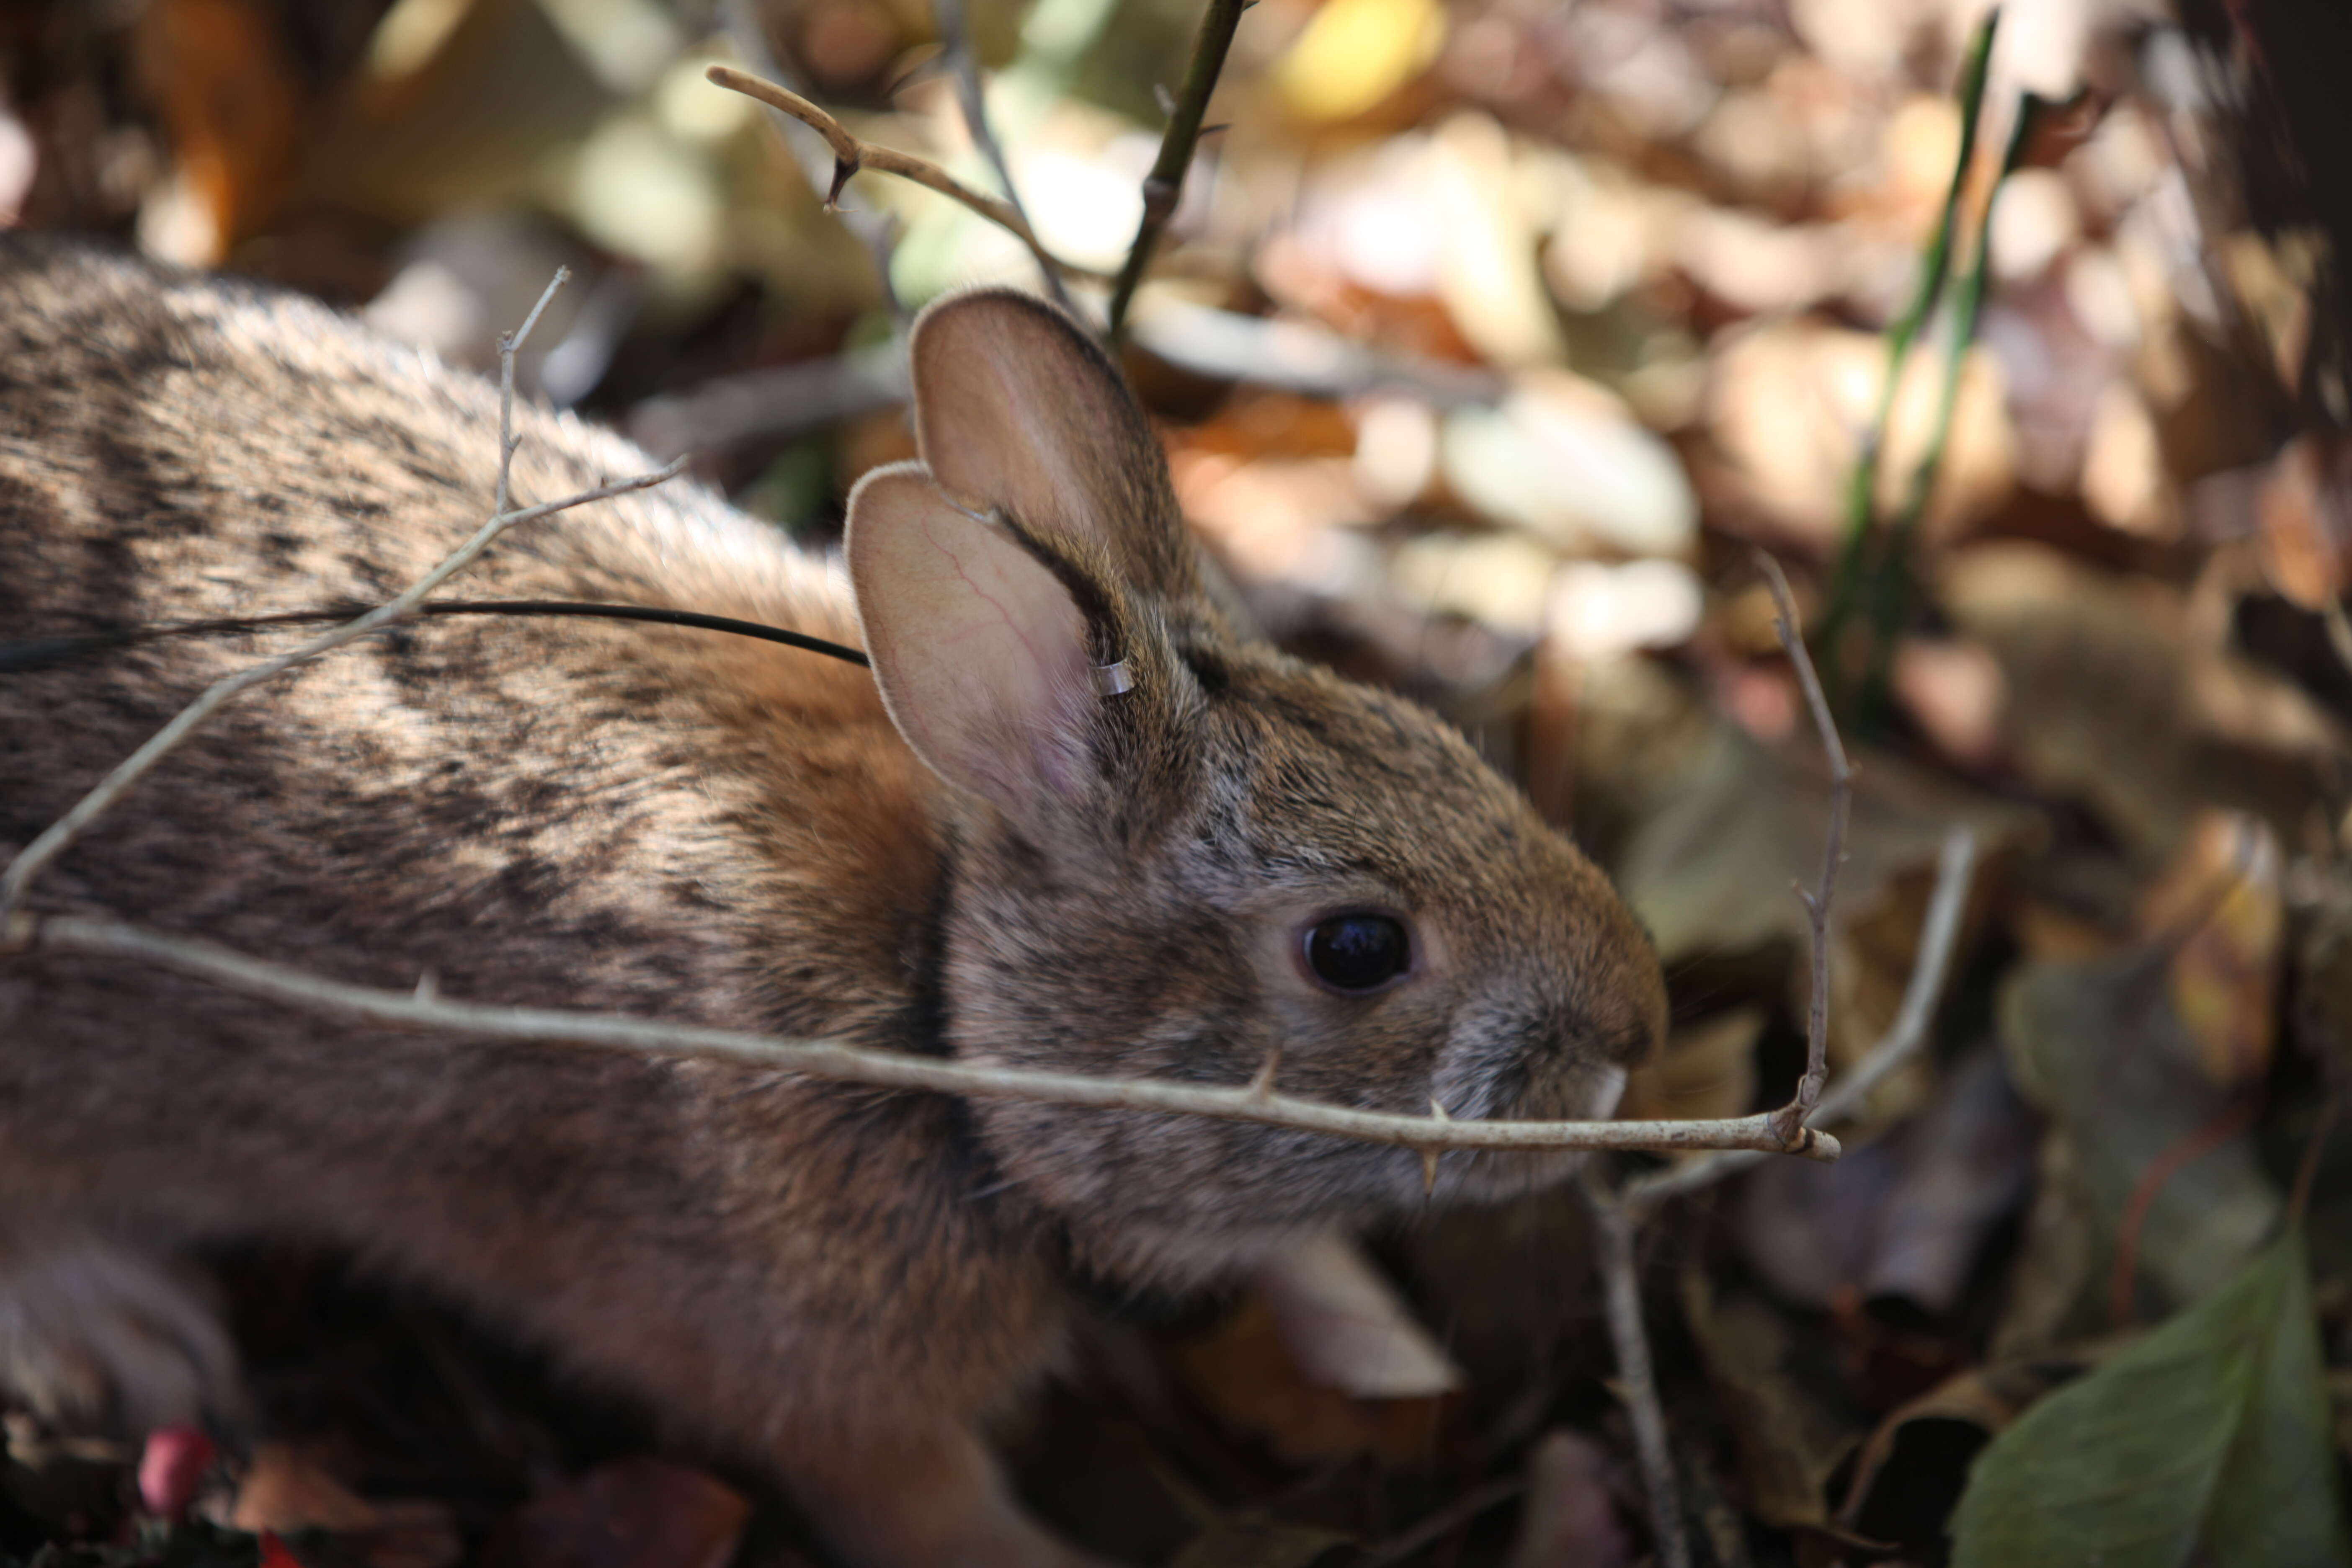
[1110,679]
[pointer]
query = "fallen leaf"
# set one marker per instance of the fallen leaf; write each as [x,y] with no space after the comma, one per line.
[1354,53]
[222,75]
[2114,700]
[2220,907]
[1487,273]
[1787,404]
[1909,1475]
[1244,1373]
[1345,1325]
[632,1513]
[1706,1069]
[1736,825]
[284,1491]
[1566,461]
[1789,1440]
[2208,1439]
[2099,1048]
[1905,1215]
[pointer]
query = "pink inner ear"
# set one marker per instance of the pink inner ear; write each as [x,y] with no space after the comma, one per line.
[1014,410]
[979,652]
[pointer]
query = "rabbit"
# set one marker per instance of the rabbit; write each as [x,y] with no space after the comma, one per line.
[1071,820]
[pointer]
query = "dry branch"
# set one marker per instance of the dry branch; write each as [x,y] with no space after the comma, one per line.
[1904,1039]
[1791,1117]
[851,155]
[889,1069]
[963,64]
[1637,1380]
[1165,183]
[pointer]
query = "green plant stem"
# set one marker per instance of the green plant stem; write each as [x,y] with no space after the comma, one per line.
[1935,264]
[1165,183]
[1892,583]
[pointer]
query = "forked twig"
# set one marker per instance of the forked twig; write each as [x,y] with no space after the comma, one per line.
[1165,184]
[17,881]
[1791,1118]
[850,155]
[890,1069]
[1619,1216]
[1904,1038]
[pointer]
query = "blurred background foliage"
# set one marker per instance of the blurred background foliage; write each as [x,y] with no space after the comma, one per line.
[1488,338]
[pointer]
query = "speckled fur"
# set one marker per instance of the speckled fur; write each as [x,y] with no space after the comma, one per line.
[684,826]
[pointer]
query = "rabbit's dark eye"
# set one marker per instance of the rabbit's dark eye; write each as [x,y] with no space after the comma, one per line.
[1359,952]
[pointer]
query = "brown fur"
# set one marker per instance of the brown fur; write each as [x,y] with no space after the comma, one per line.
[671,823]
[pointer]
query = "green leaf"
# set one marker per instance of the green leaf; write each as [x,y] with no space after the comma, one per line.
[2208,1440]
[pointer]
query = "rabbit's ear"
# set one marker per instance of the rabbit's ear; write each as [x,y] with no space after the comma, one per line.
[981,653]
[1018,409]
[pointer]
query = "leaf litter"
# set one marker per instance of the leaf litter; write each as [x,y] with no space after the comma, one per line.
[1558,310]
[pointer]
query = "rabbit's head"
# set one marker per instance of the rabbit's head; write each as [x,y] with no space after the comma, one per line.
[1177,853]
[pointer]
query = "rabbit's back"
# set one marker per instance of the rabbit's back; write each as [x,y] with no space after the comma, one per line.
[662,822]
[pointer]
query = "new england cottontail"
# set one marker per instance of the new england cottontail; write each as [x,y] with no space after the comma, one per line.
[974,852]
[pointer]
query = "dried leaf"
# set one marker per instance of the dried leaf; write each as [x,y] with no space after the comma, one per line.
[633,1514]
[1347,1328]
[284,1491]
[2114,701]
[1909,1475]
[1512,462]
[2208,1440]
[1788,1439]
[1907,1214]
[1736,825]
[1706,1069]
[2099,1047]
[2223,893]
[1787,405]
[1244,1374]
[1354,53]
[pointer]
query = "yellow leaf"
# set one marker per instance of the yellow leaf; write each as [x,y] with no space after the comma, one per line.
[1357,52]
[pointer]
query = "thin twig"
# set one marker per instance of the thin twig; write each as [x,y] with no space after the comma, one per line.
[877,231]
[1791,1117]
[508,342]
[1637,1381]
[1904,1039]
[963,64]
[850,155]
[53,840]
[1165,183]
[893,1069]
[1300,357]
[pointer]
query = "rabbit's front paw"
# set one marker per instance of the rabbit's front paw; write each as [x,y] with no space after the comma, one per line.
[98,1337]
